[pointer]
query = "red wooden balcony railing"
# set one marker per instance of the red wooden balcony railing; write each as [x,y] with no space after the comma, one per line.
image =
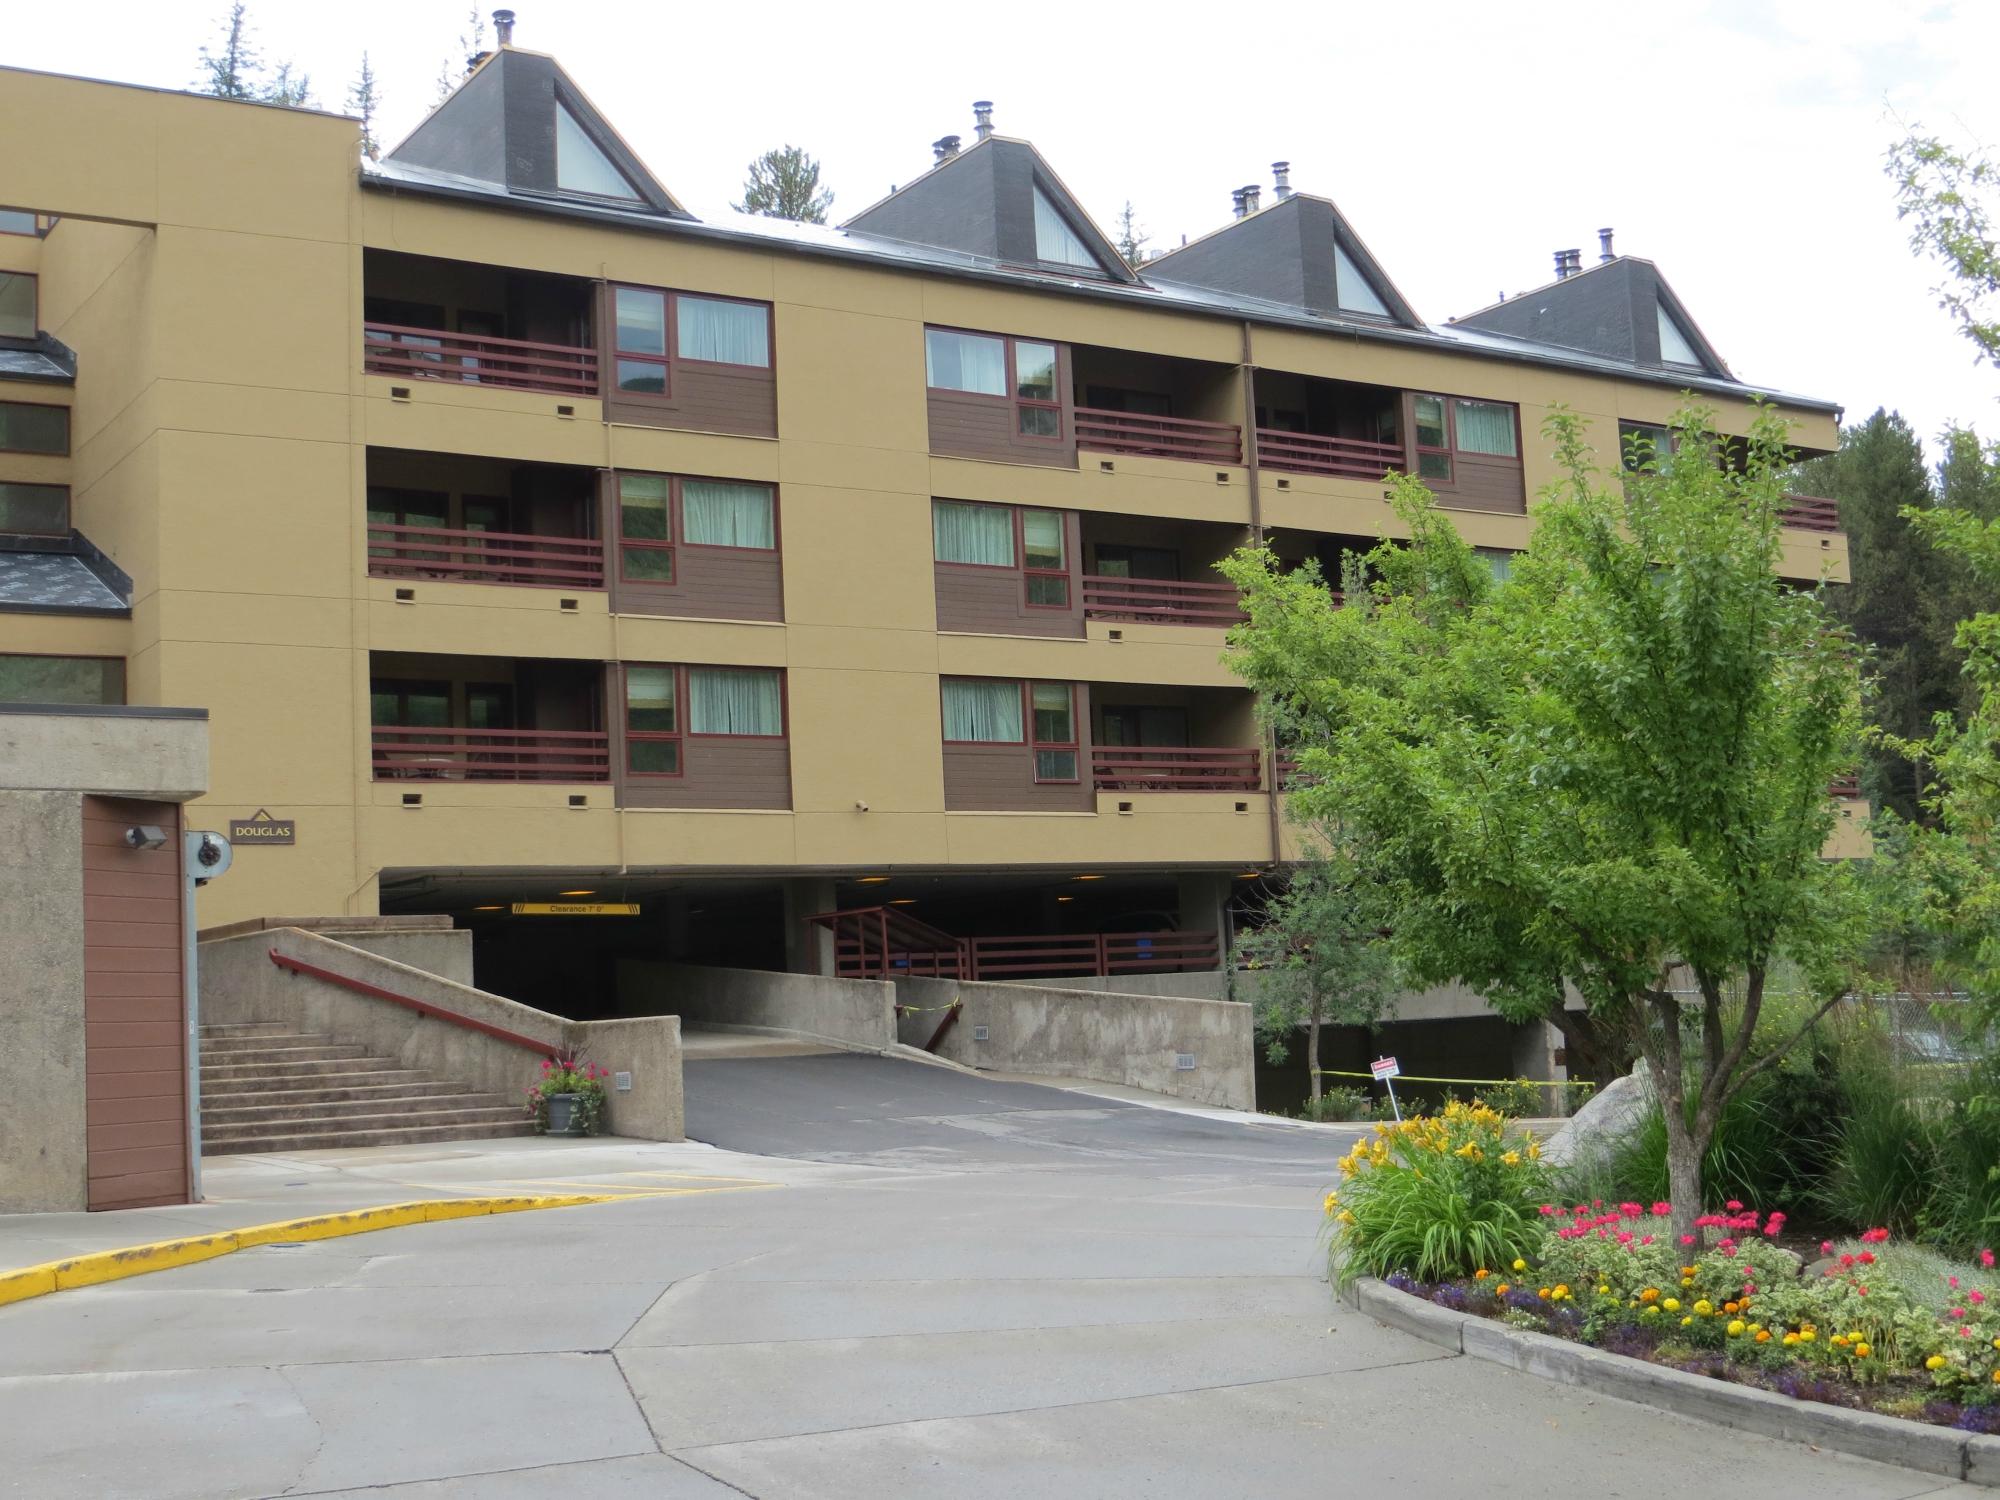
[1102,953]
[881,942]
[1309,453]
[1159,768]
[1159,437]
[1810,513]
[484,556]
[402,754]
[1161,601]
[477,359]
[1844,786]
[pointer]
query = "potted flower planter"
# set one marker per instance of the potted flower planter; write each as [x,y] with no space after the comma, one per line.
[564,1117]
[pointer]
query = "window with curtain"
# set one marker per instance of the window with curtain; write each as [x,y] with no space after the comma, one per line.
[1487,427]
[39,508]
[718,514]
[975,362]
[1643,444]
[1055,240]
[726,333]
[735,700]
[1498,560]
[979,534]
[980,711]
[1043,558]
[29,428]
[1433,441]
[645,528]
[652,722]
[640,315]
[1055,731]
[62,679]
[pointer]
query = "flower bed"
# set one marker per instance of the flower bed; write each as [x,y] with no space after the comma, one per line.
[1447,1209]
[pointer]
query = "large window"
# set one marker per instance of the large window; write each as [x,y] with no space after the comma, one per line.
[648,323]
[1040,716]
[981,711]
[410,705]
[29,428]
[1055,241]
[1006,536]
[62,679]
[582,166]
[1643,446]
[17,305]
[736,702]
[1025,372]
[658,513]
[1676,348]
[1044,558]
[38,509]
[1055,743]
[1446,427]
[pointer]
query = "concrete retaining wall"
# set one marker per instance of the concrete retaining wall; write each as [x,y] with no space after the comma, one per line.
[852,1012]
[1210,984]
[1128,1039]
[240,983]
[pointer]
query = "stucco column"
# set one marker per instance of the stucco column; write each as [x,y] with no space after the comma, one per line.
[808,950]
[1204,905]
[1534,1056]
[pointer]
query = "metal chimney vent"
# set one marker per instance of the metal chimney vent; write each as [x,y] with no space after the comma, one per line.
[982,118]
[1604,246]
[1281,177]
[503,28]
[946,147]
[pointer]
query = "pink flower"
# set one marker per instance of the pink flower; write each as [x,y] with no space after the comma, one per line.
[1725,1244]
[1547,1210]
[1826,1247]
[1986,1259]
[1733,1206]
[1771,1229]
[1874,1236]
[1645,1239]
[1952,1282]
[1687,1239]
[1630,1210]
[1866,1257]
[1976,1296]
[1662,1209]
[1846,1261]
[1958,1312]
[1624,1236]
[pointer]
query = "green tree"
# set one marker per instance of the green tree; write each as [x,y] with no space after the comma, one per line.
[1621,752]
[1949,196]
[1130,241]
[1319,955]
[471,43]
[234,68]
[783,183]
[289,88]
[364,98]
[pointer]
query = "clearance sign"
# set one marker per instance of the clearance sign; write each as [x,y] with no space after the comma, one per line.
[575,908]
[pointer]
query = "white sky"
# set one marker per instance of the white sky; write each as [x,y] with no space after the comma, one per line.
[1739,145]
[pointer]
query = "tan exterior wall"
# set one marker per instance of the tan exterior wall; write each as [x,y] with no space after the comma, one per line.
[222,428]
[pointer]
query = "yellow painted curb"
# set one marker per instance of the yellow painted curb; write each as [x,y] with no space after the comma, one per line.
[136,1260]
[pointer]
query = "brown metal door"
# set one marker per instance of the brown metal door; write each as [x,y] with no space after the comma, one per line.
[134,1007]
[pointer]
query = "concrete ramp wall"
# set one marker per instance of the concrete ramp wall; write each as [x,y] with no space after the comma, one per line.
[239,982]
[849,1012]
[1130,1039]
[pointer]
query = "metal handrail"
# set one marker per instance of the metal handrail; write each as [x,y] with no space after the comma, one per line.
[422,1007]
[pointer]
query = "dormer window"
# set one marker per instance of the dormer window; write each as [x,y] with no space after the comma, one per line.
[582,166]
[1675,347]
[1352,290]
[1055,242]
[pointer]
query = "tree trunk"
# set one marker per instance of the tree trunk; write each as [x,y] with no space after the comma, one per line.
[1684,1156]
[1312,1051]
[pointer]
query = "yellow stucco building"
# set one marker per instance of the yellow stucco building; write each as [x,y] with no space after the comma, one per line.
[530,540]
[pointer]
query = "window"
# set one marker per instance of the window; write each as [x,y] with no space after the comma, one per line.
[1044,559]
[1499,561]
[1675,346]
[1486,427]
[1433,443]
[409,705]
[981,711]
[1351,289]
[39,508]
[1037,399]
[1055,744]
[1117,560]
[582,166]
[723,333]
[735,700]
[652,722]
[716,513]
[1055,241]
[62,679]
[645,528]
[28,428]
[974,362]
[18,221]
[17,305]
[972,535]
[641,317]
[1643,445]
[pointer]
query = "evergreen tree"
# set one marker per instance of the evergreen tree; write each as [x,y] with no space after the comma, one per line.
[286,88]
[471,42]
[1131,243]
[230,71]
[784,184]
[364,98]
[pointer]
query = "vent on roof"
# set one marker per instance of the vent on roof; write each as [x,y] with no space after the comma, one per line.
[945,148]
[503,28]
[1251,194]
[1604,246]
[1281,179]
[1236,202]
[982,118]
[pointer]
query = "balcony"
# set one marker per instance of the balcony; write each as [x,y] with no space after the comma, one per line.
[1154,601]
[402,754]
[466,519]
[1810,513]
[1153,768]
[881,942]
[1158,436]
[1312,453]
[486,719]
[1308,425]
[484,557]
[471,359]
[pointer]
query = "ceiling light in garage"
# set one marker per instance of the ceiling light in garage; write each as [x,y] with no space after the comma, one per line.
[576,893]
[904,901]
[1086,877]
[489,908]
[870,879]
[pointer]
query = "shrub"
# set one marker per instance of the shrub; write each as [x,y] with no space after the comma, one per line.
[1881,1171]
[1436,1197]
[1515,1098]
[1338,1106]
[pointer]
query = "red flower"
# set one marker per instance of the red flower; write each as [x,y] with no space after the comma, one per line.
[1733,1206]
[1866,1257]
[1662,1209]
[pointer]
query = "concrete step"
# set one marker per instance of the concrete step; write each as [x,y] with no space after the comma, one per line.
[302,1137]
[245,1028]
[311,1107]
[246,1093]
[380,1119]
[361,1062]
[306,1052]
[368,1074]
[224,1047]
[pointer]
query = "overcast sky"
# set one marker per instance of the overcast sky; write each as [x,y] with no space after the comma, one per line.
[1739,144]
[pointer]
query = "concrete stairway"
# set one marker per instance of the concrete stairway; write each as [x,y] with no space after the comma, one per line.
[268,1087]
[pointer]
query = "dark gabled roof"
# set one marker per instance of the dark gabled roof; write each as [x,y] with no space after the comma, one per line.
[982,202]
[1300,252]
[507,124]
[1617,309]
[43,357]
[60,576]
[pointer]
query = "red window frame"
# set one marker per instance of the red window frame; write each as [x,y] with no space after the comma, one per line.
[674,329]
[672,360]
[665,544]
[1027,729]
[1448,406]
[1073,746]
[1012,395]
[1028,574]
[683,729]
[676,537]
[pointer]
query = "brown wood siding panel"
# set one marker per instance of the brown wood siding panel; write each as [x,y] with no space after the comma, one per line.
[708,398]
[993,601]
[1495,484]
[721,774]
[714,583]
[967,426]
[135,1103]
[1000,778]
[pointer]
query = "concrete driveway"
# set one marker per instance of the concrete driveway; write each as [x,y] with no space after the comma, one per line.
[893,1280]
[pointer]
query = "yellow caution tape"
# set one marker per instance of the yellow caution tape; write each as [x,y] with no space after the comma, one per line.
[1540,1083]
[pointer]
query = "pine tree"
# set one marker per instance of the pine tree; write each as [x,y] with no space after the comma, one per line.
[364,98]
[230,71]
[1130,241]
[294,92]
[784,184]
[471,42]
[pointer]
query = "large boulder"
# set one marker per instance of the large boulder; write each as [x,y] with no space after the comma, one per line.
[1614,1113]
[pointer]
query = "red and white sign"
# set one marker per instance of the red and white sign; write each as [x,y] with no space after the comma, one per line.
[1385,1067]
